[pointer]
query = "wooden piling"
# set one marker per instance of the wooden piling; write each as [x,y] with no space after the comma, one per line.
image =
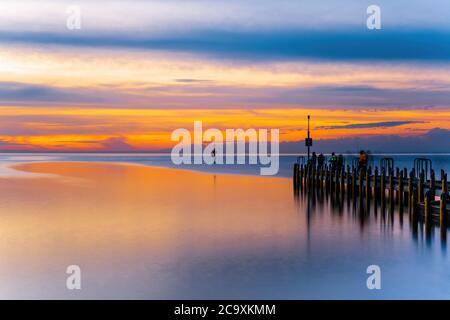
[391,189]
[295,176]
[432,185]
[420,187]
[410,191]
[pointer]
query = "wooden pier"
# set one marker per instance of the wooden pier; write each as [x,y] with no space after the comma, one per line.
[427,199]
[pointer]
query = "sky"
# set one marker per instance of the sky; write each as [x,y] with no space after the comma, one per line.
[136,70]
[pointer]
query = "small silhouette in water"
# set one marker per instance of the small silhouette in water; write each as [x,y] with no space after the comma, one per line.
[213,154]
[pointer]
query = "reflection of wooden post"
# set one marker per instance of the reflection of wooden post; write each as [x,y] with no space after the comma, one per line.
[443,202]
[295,175]
[410,191]
[353,182]
[382,186]
[375,184]
[360,184]
[300,178]
[397,191]
[347,180]
[414,204]
[400,190]
[321,179]
[336,181]
[427,206]
[331,179]
[307,178]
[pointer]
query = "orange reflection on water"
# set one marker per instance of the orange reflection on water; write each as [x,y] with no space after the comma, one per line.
[110,216]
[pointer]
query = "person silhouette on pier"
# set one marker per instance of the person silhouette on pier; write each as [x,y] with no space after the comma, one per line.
[362,160]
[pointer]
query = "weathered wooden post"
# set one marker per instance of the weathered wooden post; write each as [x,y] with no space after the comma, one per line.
[391,189]
[432,185]
[420,187]
[295,175]
[342,181]
[375,184]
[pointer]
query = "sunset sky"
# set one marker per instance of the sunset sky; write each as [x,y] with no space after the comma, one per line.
[136,70]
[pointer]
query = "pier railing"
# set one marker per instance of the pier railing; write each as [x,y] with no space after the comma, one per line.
[425,198]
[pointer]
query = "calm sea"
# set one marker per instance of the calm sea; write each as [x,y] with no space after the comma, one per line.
[439,161]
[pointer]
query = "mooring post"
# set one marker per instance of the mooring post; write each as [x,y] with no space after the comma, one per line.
[342,181]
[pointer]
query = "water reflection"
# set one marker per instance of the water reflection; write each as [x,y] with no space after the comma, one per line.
[369,210]
[152,233]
